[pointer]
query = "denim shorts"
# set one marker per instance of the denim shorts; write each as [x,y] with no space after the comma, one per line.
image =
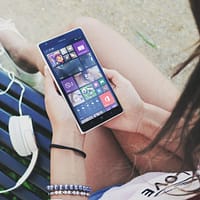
[98,194]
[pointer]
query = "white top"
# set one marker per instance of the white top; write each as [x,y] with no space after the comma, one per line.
[154,185]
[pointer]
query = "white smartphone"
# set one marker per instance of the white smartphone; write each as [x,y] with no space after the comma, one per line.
[80,79]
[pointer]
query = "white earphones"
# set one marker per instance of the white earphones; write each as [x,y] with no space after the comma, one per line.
[21,133]
[11,76]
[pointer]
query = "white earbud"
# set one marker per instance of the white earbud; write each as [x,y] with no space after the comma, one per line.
[22,135]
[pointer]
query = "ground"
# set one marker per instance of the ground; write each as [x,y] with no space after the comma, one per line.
[163,30]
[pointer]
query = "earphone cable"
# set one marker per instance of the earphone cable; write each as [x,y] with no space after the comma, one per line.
[12,78]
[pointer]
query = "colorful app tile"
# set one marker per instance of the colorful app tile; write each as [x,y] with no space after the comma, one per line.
[69,48]
[94,73]
[99,91]
[95,105]
[63,51]
[102,81]
[105,88]
[80,47]
[59,70]
[72,67]
[90,109]
[88,91]
[87,76]
[87,60]
[96,84]
[82,78]
[76,98]
[69,85]
[73,54]
[82,111]
[107,99]
[66,57]
[55,58]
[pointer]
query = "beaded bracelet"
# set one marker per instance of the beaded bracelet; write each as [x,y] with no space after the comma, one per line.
[83,154]
[81,190]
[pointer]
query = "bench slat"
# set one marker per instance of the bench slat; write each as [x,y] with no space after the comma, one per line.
[43,160]
[20,193]
[12,103]
[19,169]
[28,95]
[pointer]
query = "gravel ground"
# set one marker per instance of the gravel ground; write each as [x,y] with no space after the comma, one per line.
[163,30]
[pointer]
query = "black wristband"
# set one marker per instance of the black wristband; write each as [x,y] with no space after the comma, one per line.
[83,154]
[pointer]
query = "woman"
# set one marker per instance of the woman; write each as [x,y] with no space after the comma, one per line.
[111,149]
[183,122]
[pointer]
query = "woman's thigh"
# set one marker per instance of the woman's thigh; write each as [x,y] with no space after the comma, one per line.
[106,163]
[160,158]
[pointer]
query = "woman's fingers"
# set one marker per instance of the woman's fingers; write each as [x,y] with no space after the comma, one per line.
[49,86]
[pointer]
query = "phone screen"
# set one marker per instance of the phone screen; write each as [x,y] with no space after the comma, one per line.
[80,79]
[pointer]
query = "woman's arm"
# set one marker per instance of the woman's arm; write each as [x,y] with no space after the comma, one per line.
[139,124]
[67,166]
[166,156]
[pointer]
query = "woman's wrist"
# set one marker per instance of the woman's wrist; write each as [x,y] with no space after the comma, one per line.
[67,168]
[68,136]
[67,164]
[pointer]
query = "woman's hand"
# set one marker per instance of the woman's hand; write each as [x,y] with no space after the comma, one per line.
[64,128]
[131,102]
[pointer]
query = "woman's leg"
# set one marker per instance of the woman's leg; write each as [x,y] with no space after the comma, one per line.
[157,159]
[109,163]
[23,53]
[106,163]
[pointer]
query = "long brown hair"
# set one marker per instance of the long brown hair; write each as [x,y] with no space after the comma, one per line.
[187,107]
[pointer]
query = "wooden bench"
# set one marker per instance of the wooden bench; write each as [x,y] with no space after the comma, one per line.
[12,166]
